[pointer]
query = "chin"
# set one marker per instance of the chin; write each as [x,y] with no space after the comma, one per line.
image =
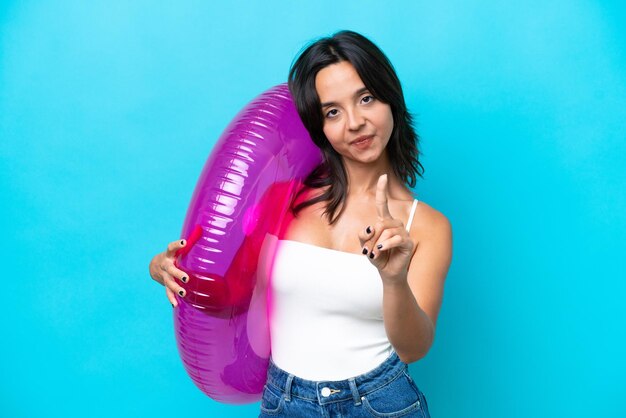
[372,157]
[366,160]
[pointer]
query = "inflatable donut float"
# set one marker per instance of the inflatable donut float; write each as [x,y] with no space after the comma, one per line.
[238,208]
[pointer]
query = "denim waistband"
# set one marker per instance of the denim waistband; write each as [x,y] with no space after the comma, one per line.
[329,391]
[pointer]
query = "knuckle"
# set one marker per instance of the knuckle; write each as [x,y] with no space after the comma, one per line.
[171,284]
[173,271]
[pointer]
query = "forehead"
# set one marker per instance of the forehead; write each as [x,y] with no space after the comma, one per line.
[337,81]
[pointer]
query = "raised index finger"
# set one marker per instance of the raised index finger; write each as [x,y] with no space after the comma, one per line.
[382,207]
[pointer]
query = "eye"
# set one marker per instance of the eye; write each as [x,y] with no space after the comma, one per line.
[332,113]
[367,99]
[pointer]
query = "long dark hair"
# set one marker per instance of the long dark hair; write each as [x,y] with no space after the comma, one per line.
[381,80]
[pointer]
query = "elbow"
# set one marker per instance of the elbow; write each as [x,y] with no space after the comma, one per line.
[409,359]
[418,351]
[412,357]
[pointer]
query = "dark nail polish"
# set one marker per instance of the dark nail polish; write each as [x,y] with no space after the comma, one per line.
[379,246]
[368,230]
[182,242]
[184,279]
[364,250]
[372,255]
[181,293]
[172,305]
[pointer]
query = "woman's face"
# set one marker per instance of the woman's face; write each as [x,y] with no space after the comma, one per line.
[357,125]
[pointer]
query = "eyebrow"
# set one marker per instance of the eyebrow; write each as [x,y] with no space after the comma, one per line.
[356,94]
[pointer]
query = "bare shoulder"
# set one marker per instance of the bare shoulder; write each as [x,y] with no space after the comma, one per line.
[429,223]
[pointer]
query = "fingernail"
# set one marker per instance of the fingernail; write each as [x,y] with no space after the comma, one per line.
[364,250]
[372,254]
[379,246]
[172,305]
[182,242]
[368,230]
[184,279]
[181,293]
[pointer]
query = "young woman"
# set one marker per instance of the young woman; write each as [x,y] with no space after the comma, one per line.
[358,278]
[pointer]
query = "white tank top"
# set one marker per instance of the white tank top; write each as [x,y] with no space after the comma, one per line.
[326,320]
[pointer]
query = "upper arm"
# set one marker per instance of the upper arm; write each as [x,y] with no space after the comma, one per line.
[431,260]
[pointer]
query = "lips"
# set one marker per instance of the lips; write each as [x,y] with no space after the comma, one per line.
[361,139]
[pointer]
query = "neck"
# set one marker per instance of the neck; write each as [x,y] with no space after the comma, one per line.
[363,178]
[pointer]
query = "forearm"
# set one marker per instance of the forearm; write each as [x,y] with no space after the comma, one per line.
[408,328]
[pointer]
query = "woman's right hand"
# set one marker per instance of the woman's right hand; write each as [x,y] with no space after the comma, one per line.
[163,270]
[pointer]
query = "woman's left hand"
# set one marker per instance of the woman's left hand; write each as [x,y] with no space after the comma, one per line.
[387,243]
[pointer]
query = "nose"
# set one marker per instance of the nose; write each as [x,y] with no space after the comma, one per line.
[355,120]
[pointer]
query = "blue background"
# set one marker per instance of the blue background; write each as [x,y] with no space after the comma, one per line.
[108,110]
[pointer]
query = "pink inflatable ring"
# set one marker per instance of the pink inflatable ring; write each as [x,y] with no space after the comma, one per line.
[240,200]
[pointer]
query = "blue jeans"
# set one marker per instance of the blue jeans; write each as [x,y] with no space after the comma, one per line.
[386,391]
